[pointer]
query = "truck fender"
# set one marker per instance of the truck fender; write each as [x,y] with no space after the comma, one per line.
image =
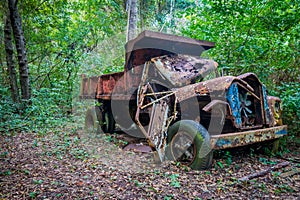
[214,103]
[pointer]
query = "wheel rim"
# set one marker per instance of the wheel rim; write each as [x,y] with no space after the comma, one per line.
[183,148]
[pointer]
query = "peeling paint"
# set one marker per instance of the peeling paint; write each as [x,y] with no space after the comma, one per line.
[230,140]
[281,132]
[266,105]
[223,142]
[182,70]
[233,99]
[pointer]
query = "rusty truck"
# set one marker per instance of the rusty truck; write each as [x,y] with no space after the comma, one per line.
[179,101]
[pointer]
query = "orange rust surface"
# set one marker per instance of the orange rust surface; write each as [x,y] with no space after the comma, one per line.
[230,140]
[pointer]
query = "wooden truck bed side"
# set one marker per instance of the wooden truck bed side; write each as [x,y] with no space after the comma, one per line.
[121,84]
[98,86]
[88,87]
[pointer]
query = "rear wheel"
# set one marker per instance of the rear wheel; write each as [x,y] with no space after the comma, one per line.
[105,117]
[91,123]
[189,144]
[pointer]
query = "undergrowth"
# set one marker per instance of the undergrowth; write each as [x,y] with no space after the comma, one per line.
[47,111]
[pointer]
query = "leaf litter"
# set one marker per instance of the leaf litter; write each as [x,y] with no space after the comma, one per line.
[94,166]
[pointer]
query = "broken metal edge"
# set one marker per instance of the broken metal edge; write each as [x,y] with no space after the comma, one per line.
[148,38]
[230,140]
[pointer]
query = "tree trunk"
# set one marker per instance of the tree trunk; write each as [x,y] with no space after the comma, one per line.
[10,61]
[132,19]
[16,23]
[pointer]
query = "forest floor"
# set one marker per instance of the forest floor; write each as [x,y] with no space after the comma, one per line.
[73,165]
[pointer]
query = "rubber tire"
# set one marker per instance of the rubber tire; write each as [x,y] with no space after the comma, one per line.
[91,122]
[110,122]
[105,118]
[201,142]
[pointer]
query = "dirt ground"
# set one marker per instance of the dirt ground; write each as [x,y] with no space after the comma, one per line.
[73,165]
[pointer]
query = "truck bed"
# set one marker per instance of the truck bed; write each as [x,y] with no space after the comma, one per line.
[121,84]
[97,86]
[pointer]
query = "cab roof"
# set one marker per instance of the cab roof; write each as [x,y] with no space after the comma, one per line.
[149,44]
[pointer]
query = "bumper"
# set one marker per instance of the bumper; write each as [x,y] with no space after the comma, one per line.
[230,140]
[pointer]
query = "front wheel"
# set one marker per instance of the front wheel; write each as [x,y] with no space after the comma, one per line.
[189,144]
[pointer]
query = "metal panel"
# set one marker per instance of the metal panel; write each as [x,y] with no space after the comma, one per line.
[164,44]
[267,111]
[230,140]
[182,70]
[157,127]
[234,101]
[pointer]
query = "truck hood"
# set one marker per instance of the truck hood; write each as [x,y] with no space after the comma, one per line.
[216,86]
[181,70]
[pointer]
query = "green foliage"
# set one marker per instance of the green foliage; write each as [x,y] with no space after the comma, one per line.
[65,39]
[38,182]
[79,153]
[138,184]
[113,138]
[33,194]
[284,188]
[6,172]
[161,15]
[174,180]
[290,96]
[220,164]
[45,113]
[228,158]
[168,197]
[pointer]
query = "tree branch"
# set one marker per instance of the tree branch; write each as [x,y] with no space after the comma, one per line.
[264,172]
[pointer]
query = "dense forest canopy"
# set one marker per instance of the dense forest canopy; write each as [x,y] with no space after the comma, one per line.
[67,38]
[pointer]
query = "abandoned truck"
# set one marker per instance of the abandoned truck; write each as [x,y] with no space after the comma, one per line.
[180,103]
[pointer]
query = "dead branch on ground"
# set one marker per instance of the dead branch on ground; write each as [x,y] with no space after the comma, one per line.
[264,172]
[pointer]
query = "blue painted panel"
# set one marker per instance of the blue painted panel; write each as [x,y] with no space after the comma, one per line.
[266,105]
[281,132]
[235,104]
[223,142]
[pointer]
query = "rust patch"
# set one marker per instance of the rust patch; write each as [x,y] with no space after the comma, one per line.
[275,107]
[230,140]
[88,86]
[158,127]
[182,70]
[149,44]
